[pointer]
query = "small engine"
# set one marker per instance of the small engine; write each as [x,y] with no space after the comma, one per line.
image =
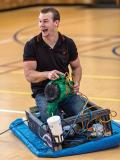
[56,91]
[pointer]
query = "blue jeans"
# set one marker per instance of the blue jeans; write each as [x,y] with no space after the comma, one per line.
[71,105]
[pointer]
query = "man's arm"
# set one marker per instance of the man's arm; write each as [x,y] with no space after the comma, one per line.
[34,76]
[76,73]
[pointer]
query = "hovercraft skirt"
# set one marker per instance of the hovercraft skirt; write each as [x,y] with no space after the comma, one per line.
[37,146]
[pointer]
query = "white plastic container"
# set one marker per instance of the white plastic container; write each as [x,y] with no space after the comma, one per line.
[55,126]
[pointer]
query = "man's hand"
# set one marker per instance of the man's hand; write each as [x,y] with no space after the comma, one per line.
[76,88]
[54,74]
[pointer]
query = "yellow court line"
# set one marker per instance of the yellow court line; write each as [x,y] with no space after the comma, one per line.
[15,92]
[91,98]
[105,99]
[84,76]
[101,77]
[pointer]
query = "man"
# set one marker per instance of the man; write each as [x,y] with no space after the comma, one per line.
[46,56]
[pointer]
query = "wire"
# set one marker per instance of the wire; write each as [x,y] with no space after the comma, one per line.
[77,116]
[12,127]
[115,114]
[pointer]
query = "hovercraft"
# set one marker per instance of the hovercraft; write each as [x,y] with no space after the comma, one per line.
[90,130]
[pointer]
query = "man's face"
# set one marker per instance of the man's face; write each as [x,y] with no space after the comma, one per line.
[47,25]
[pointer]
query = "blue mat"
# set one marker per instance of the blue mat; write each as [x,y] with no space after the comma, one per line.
[37,146]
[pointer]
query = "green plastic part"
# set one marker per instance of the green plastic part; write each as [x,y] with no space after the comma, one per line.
[65,89]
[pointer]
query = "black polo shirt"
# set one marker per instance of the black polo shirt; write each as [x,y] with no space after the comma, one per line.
[49,59]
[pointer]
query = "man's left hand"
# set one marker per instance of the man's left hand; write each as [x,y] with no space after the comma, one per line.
[76,87]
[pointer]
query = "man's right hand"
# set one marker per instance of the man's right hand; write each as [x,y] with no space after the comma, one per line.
[54,74]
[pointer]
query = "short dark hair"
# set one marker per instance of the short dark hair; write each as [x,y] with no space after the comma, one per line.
[56,14]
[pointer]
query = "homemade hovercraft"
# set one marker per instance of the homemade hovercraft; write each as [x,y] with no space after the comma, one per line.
[90,130]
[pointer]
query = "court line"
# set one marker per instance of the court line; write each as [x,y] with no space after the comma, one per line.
[105,99]
[11,111]
[114,50]
[9,40]
[15,92]
[101,77]
[6,41]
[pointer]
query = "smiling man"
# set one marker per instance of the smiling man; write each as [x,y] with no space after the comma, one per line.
[46,56]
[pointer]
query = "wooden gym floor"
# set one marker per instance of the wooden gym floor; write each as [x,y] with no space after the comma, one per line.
[97,35]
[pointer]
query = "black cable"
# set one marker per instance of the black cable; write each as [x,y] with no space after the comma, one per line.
[12,127]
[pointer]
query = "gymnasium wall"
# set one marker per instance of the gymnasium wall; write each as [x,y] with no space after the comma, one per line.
[8,4]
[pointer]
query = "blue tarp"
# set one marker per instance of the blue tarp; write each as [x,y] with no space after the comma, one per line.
[37,146]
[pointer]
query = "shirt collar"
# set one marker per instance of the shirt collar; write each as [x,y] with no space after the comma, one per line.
[58,43]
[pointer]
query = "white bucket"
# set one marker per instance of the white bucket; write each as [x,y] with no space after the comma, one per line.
[55,126]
